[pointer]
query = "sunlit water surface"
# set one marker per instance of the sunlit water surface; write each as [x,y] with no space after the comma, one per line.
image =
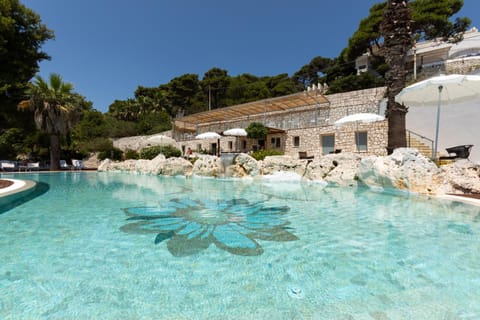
[124,246]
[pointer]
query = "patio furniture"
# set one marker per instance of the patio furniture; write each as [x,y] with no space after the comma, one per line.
[33,166]
[336,151]
[458,152]
[302,155]
[64,165]
[6,165]
[77,164]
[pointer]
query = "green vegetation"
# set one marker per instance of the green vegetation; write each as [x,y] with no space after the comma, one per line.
[131,154]
[57,122]
[56,110]
[112,154]
[256,130]
[261,154]
[151,152]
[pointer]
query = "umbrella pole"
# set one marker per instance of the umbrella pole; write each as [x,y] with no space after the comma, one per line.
[435,147]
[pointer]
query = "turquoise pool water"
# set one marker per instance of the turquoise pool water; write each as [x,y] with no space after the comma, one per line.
[122,246]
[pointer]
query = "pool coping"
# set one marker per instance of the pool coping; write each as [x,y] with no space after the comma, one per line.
[18,186]
[460,198]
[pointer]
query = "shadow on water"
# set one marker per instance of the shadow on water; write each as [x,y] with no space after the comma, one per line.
[10,203]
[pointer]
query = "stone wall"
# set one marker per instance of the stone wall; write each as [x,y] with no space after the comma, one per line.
[466,65]
[301,122]
[463,65]
[311,139]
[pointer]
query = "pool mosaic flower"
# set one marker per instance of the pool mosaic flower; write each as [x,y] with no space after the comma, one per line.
[189,226]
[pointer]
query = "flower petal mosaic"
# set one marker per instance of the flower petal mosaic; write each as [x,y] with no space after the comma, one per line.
[189,226]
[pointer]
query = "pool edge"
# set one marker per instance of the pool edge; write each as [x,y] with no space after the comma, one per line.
[18,187]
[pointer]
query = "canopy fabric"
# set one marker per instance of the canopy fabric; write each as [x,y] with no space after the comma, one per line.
[238,132]
[296,100]
[455,88]
[208,135]
[360,117]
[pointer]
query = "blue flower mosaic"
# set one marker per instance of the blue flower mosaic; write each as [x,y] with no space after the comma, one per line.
[189,226]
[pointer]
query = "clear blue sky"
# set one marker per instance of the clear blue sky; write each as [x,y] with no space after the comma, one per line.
[107,48]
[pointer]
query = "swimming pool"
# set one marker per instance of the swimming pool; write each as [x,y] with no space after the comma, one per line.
[124,246]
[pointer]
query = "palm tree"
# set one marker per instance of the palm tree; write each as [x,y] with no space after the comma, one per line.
[55,110]
[396,31]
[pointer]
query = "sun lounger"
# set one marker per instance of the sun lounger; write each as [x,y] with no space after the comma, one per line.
[77,164]
[33,166]
[6,165]
[458,152]
[303,155]
[64,165]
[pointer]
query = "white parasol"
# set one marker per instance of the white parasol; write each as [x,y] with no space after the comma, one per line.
[451,88]
[359,118]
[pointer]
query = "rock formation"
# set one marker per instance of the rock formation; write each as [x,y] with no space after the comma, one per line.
[405,169]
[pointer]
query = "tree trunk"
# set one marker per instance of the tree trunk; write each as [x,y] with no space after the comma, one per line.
[54,152]
[396,31]
[396,129]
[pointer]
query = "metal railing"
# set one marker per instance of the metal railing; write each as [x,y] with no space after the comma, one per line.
[422,139]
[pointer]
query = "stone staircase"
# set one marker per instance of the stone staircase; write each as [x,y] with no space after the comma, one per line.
[423,144]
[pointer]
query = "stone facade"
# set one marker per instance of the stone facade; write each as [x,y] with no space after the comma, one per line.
[468,65]
[301,123]
[310,139]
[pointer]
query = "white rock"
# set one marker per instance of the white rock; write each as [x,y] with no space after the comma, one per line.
[177,166]
[273,164]
[340,169]
[405,169]
[463,176]
[207,165]
[244,165]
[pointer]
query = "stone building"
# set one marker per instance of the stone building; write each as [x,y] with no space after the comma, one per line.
[434,57]
[300,124]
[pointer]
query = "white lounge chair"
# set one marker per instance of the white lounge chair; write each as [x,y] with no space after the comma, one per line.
[64,165]
[77,164]
[33,166]
[6,165]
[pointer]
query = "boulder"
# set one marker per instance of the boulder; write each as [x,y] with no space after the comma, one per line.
[109,165]
[274,164]
[244,165]
[207,165]
[405,169]
[176,166]
[105,165]
[156,165]
[340,169]
[92,161]
[463,176]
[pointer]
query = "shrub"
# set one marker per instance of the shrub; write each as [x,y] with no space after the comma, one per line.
[256,130]
[261,154]
[113,154]
[95,145]
[130,154]
[151,152]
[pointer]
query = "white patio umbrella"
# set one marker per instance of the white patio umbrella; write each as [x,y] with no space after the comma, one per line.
[210,135]
[235,132]
[359,118]
[447,88]
[160,139]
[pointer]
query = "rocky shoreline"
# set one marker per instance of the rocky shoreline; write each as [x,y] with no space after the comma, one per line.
[406,169]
